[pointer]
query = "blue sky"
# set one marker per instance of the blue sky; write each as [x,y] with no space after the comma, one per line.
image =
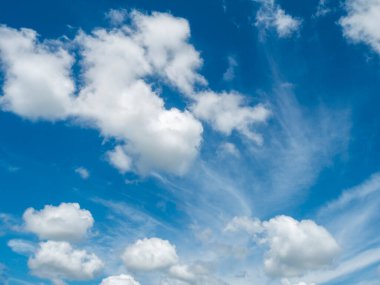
[189,142]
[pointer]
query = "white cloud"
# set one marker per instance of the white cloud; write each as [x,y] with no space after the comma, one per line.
[229,74]
[165,38]
[182,272]
[21,246]
[120,104]
[119,159]
[227,112]
[228,148]
[83,172]
[355,263]
[116,16]
[116,95]
[249,225]
[66,222]
[361,24]
[150,254]
[58,261]
[293,247]
[37,76]
[122,279]
[270,15]
[195,274]
[296,247]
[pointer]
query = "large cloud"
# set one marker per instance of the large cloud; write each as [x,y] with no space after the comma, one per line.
[58,261]
[120,104]
[297,246]
[122,279]
[116,98]
[37,76]
[150,254]
[362,22]
[66,222]
[120,68]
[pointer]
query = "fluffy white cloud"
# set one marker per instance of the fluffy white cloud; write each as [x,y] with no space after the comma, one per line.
[116,95]
[66,222]
[226,112]
[115,98]
[362,22]
[122,279]
[297,246]
[117,101]
[58,261]
[150,254]
[293,247]
[119,159]
[270,15]
[165,38]
[37,76]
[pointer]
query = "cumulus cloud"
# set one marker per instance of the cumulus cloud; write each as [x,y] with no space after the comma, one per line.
[165,38]
[361,24]
[293,247]
[297,246]
[150,254]
[37,76]
[117,96]
[66,222]
[271,16]
[58,261]
[122,279]
[227,112]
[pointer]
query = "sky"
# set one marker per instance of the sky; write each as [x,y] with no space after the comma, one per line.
[189,142]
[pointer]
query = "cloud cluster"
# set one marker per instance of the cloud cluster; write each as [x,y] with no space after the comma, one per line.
[66,222]
[361,24]
[55,258]
[272,16]
[118,94]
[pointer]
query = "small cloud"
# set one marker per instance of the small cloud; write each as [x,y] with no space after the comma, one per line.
[116,16]
[272,16]
[229,74]
[21,246]
[322,9]
[83,172]
[229,149]
[119,159]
